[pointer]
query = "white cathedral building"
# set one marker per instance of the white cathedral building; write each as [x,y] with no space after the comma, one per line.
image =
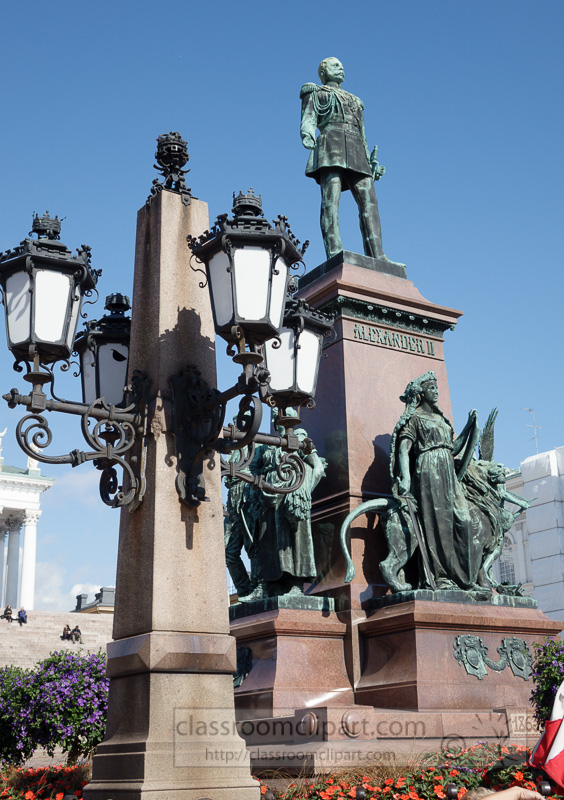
[533,552]
[20,493]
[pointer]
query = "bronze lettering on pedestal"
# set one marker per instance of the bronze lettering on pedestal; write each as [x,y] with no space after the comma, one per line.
[399,341]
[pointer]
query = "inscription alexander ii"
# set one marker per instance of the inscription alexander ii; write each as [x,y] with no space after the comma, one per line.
[398,341]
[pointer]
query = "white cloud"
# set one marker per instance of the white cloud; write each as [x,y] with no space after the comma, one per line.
[81,486]
[50,594]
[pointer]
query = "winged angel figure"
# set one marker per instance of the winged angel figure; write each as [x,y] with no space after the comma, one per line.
[446,520]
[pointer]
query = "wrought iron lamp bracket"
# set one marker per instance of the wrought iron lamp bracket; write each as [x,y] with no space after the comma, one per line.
[111,433]
[197,421]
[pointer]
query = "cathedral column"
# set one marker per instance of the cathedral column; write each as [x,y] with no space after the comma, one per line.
[2,568]
[27,589]
[13,526]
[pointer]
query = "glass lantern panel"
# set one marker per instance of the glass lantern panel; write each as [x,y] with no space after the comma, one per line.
[308,361]
[88,370]
[251,267]
[18,307]
[52,291]
[280,361]
[220,288]
[112,358]
[73,321]
[278,293]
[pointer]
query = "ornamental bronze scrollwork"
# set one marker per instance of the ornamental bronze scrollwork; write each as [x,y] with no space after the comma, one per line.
[111,433]
[472,654]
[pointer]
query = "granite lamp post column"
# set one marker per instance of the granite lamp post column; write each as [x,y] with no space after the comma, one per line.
[171,722]
[27,590]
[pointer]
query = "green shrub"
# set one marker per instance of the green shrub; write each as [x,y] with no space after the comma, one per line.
[548,674]
[61,703]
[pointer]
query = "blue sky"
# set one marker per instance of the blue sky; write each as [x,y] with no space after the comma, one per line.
[462,98]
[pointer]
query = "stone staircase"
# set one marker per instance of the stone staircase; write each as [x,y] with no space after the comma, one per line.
[33,642]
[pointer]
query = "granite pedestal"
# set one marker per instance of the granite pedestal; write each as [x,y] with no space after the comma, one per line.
[386,334]
[378,677]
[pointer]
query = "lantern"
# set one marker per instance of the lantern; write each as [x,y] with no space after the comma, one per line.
[247,264]
[293,359]
[43,286]
[103,349]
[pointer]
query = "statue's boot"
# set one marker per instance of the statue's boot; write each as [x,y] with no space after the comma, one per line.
[259,593]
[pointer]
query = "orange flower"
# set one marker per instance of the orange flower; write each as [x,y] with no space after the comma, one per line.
[453,772]
[519,776]
[404,797]
[389,781]
[263,789]
[386,790]
[413,795]
[27,795]
[59,796]
[400,782]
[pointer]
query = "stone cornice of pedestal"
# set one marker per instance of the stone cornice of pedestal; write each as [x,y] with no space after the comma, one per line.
[428,614]
[373,314]
[289,622]
[172,652]
[364,292]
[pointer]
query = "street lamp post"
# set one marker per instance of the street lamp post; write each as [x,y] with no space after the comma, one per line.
[172,659]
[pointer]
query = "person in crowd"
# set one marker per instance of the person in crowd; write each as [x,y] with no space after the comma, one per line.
[66,633]
[7,615]
[76,634]
[22,616]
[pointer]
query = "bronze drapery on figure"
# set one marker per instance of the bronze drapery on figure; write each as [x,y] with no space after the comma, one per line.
[447,518]
[275,529]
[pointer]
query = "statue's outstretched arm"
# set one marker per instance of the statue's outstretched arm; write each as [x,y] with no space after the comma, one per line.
[516,500]
[462,437]
[309,120]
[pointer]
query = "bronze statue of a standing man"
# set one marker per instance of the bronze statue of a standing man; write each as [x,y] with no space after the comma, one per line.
[340,159]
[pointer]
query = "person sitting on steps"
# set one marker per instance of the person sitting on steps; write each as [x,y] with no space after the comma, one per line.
[76,634]
[7,615]
[22,616]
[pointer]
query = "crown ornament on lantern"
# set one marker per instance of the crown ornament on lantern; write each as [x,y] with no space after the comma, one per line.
[46,227]
[246,204]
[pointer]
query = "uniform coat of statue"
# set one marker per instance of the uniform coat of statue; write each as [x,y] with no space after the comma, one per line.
[340,159]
